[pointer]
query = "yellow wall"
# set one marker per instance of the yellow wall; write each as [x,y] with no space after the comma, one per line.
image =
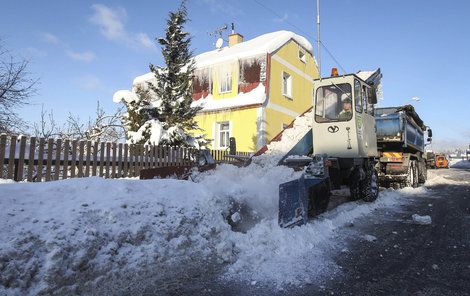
[243,124]
[216,82]
[302,87]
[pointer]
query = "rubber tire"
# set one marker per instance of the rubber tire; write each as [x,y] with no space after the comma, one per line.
[370,185]
[355,186]
[423,175]
[412,179]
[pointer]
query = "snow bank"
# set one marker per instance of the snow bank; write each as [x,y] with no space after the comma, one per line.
[290,137]
[59,234]
[462,164]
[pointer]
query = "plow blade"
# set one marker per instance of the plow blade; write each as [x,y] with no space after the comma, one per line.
[294,199]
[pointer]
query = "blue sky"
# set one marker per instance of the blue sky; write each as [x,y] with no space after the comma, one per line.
[83,51]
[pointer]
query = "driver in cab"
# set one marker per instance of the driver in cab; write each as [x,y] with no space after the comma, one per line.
[346,113]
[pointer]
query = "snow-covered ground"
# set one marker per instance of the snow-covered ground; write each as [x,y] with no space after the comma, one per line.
[61,233]
[460,164]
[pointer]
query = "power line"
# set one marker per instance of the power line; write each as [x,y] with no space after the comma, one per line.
[302,31]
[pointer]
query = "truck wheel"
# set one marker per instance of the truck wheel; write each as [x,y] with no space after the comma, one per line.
[423,174]
[355,185]
[370,185]
[412,177]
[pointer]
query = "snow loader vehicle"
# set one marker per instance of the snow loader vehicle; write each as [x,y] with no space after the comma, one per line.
[344,143]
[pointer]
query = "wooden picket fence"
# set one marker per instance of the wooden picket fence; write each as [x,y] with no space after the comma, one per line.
[38,159]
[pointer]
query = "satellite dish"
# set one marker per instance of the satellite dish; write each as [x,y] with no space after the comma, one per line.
[219,43]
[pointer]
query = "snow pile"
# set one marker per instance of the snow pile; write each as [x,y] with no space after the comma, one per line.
[254,97]
[68,233]
[422,220]
[290,137]
[125,95]
[462,164]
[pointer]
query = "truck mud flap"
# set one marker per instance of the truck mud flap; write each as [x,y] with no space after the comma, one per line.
[294,200]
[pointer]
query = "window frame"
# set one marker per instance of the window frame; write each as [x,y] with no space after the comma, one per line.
[225,78]
[218,135]
[289,82]
[328,120]
[358,96]
[302,58]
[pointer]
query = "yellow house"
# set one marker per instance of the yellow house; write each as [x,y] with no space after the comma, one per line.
[251,90]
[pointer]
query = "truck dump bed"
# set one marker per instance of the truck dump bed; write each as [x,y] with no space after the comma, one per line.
[399,126]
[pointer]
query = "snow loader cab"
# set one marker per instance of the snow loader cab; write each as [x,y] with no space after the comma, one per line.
[345,148]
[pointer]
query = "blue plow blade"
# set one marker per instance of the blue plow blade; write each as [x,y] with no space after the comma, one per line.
[303,147]
[294,200]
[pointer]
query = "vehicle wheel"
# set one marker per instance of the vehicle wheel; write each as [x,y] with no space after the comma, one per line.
[355,185]
[370,185]
[422,174]
[411,180]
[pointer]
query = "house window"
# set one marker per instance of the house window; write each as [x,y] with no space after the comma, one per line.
[302,56]
[286,85]
[223,134]
[225,82]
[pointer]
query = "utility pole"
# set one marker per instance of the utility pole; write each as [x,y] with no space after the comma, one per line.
[318,38]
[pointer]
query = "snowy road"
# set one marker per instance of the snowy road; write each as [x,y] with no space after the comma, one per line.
[167,237]
[384,252]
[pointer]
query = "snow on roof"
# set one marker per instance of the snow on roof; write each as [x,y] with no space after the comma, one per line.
[266,43]
[256,96]
[364,75]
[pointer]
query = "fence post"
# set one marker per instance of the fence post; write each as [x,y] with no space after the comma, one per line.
[102,147]
[126,160]
[73,159]
[40,160]
[3,144]
[108,158]
[50,147]
[80,158]
[11,159]
[95,158]
[31,157]
[58,152]
[65,167]
[119,166]
[113,164]
[19,167]
[88,158]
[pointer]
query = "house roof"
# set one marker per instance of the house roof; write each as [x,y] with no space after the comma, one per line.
[266,43]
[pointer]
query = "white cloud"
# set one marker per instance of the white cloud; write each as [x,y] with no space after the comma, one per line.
[111,22]
[86,56]
[89,82]
[49,38]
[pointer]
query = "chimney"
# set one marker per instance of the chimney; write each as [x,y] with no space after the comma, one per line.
[234,38]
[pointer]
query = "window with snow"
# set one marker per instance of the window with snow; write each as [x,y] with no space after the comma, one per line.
[286,85]
[302,56]
[225,81]
[223,134]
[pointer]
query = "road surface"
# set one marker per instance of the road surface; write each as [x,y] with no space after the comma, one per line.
[386,253]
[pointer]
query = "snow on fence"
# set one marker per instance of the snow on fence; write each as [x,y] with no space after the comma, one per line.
[39,159]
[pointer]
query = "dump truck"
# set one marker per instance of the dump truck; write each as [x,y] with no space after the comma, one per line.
[441,161]
[401,146]
[353,144]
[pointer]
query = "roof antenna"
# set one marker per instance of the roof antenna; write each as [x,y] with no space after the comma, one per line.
[318,38]
[218,33]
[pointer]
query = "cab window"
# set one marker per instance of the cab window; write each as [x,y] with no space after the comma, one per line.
[333,103]
[357,96]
